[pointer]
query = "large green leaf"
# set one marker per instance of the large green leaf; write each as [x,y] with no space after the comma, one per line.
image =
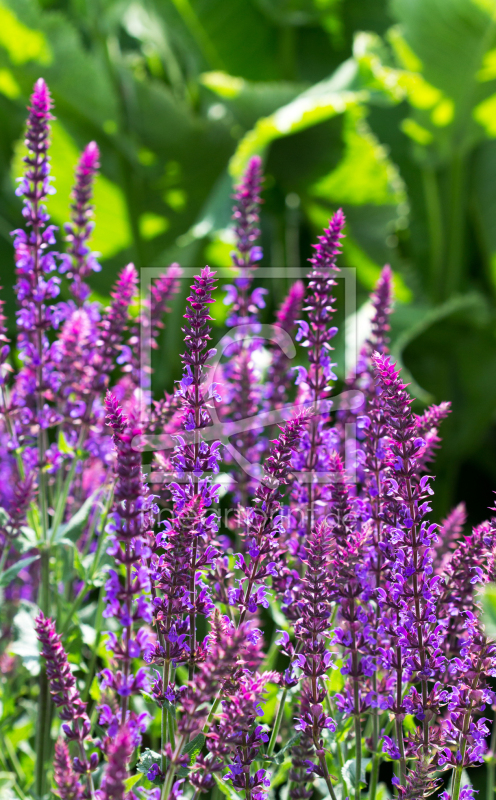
[248,100]
[21,42]
[314,106]
[451,38]
[12,572]
[376,182]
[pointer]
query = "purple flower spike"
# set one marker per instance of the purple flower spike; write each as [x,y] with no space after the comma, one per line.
[129,583]
[318,334]
[68,784]
[144,336]
[193,459]
[189,536]
[412,592]
[312,629]
[382,300]
[5,368]
[278,379]
[112,328]
[263,525]
[378,339]
[65,696]
[62,682]
[116,773]
[78,231]
[315,384]
[449,536]
[245,304]
[427,426]
[246,215]
[376,342]
[37,282]
[471,564]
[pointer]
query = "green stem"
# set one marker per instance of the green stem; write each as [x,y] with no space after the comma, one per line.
[3,559]
[435,225]
[339,748]
[457,771]
[358,754]
[277,724]
[40,770]
[375,737]
[164,715]
[172,730]
[94,649]
[374,776]
[192,616]
[171,772]
[327,777]
[214,708]
[62,498]
[96,560]
[401,748]
[457,774]
[194,25]
[455,227]
[42,743]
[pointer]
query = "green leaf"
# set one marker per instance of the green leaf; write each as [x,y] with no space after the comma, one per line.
[336,681]
[23,44]
[292,742]
[279,777]
[226,788]
[382,792]
[322,102]
[147,759]
[248,101]
[63,445]
[194,747]
[348,772]
[12,572]
[377,180]
[72,529]
[26,643]
[450,38]
[131,781]
[488,615]
[427,318]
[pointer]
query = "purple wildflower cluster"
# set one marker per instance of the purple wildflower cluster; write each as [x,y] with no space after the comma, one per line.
[329,636]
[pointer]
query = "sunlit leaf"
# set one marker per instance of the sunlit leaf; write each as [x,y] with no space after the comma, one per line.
[12,572]
[320,103]
[365,174]
[21,42]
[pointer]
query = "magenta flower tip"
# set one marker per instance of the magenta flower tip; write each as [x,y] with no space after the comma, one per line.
[41,100]
[329,246]
[90,157]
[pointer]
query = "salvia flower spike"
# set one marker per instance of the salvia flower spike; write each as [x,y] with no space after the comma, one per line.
[82,261]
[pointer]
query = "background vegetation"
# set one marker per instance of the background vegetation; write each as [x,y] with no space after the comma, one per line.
[385,108]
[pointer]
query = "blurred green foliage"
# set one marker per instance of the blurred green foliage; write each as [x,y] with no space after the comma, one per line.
[385,108]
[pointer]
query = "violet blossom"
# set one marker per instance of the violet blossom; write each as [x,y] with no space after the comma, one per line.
[67,782]
[65,695]
[128,584]
[116,772]
[81,261]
